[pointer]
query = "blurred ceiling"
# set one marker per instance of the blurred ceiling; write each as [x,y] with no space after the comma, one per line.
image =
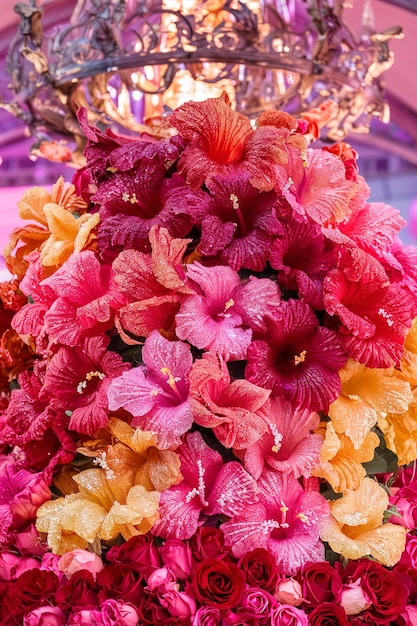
[399,138]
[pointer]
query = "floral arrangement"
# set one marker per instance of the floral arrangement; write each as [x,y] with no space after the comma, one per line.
[208,385]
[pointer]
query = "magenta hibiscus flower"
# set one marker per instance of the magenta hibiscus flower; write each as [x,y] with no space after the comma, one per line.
[374,314]
[230,408]
[156,394]
[240,222]
[87,299]
[209,487]
[77,380]
[302,256]
[288,445]
[297,358]
[208,319]
[286,521]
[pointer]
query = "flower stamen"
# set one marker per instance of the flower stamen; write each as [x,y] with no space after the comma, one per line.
[300,358]
[89,376]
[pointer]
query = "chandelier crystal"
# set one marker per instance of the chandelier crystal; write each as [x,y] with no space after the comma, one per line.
[130,62]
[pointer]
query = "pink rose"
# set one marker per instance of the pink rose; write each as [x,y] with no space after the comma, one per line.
[11,565]
[82,618]
[410,615]
[78,559]
[178,603]
[177,556]
[409,556]
[30,491]
[115,613]
[50,562]
[46,616]
[258,602]
[207,616]
[289,592]
[354,599]
[162,580]
[287,615]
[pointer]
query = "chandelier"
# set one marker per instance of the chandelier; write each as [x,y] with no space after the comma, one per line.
[130,62]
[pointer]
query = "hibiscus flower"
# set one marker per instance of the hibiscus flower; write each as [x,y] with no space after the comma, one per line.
[288,444]
[230,408]
[83,307]
[356,527]
[221,140]
[374,314]
[210,487]
[318,192]
[240,222]
[286,521]
[208,318]
[156,394]
[77,380]
[297,358]
[302,256]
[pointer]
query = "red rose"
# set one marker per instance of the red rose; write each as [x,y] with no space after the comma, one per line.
[387,593]
[151,613]
[319,583]
[260,569]
[328,614]
[139,553]
[120,582]
[218,583]
[79,592]
[208,543]
[31,590]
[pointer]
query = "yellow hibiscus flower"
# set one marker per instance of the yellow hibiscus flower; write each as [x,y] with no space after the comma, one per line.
[355,528]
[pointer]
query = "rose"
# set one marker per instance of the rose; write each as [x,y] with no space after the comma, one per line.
[387,593]
[177,556]
[139,553]
[46,616]
[30,491]
[242,619]
[31,590]
[287,615]
[12,566]
[354,599]
[409,556]
[320,583]
[26,540]
[208,543]
[76,560]
[260,569]
[328,614]
[151,613]
[179,603]
[120,582]
[162,580]
[113,613]
[289,592]
[207,616]
[218,583]
[82,618]
[258,602]
[78,593]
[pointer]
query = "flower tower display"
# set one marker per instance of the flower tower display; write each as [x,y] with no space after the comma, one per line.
[208,380]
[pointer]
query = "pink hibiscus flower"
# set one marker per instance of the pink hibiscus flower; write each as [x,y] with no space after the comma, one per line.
[319,191]
[302,256]
[153,284]
[240,223]
[230,409]
[77,380]
[87,299]
[288,445]
[374,315]
[257,298]
[156,394]
[286,521]
[208,318]
[297,358]
[222,140]
[210,487]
